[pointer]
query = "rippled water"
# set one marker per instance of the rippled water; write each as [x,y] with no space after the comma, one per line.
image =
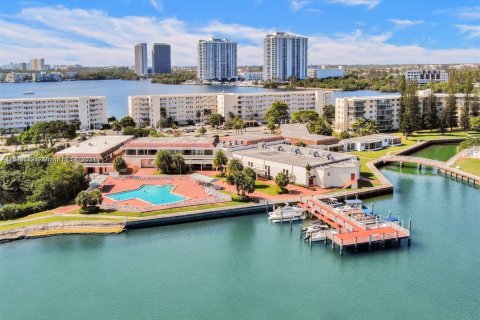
[246,268]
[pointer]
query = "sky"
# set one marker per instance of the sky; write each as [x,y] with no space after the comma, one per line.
[103,33]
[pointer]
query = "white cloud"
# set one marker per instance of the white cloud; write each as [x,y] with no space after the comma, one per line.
[157,5]
[472,32]
[405,22]
[297,5]
[91,37]
[465,13]
[369,3]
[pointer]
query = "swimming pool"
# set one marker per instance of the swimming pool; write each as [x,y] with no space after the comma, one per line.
[153,194]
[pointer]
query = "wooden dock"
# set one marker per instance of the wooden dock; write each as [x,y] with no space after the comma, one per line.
[440,165]
[347,231]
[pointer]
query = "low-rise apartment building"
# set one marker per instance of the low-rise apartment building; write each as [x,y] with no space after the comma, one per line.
[327,169]
[148,110]
[426,76]
[198,152]
[370,142]
[20,114]
[382,109]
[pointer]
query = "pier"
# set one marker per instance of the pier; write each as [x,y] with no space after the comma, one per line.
[440,165]
[352,228]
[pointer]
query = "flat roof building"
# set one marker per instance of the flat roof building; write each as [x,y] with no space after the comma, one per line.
[141,60]
[20,114]
[327,169]
[161,58]
[298,132]
[198,152]
[371,142]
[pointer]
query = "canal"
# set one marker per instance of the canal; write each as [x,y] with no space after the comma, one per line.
[246,268]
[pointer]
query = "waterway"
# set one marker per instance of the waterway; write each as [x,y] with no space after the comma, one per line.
[117,91]
[246,268]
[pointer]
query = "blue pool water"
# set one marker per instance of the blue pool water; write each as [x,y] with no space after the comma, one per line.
[152,194]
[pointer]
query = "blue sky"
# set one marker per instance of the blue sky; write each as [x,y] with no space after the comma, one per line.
[340,31]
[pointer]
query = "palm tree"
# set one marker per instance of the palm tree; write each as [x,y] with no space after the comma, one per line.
[178,163]
[234,165]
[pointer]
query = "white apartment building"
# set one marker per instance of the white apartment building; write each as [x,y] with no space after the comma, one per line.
[382,109]
[17,76]
[284,56]
[441,100]
[253,106]
[148,110]
[322,72]
[217,60]
[141,62]
[253,76]
[37,64]
[328,169]
[426,76]
[22,113]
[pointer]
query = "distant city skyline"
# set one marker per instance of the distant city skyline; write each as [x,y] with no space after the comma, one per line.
[343,32]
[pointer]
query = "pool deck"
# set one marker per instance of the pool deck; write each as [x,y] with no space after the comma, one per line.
[184,186]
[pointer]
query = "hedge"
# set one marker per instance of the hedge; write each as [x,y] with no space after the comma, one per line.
[14,210]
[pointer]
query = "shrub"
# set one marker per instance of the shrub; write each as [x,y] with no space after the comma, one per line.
[14,210]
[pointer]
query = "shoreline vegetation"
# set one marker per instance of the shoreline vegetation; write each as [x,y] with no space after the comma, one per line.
[47,223]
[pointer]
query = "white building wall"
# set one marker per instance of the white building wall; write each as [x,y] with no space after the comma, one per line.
[22,113]
[217,59]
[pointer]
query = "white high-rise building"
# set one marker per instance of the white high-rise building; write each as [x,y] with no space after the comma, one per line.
[141,62]
[37,64]
[217,60]
[23,113]
[284,56]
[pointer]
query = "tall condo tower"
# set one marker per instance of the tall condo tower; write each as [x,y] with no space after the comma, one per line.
[141,62]
[161,58]
[284,56]
[217,59]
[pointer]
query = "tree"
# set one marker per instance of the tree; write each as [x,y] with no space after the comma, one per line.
[301,144]
[89,200]
[475,123]
[220,161]
[119,164]
[410,119]
[443,121]
[431,113]
[127,121]
[111,119]
[178,164]
[272,126]
[277,114]
[116,126]
[12,141]
[305,116]
[163,161]
[469,142]
[465,113]
[451,110]
[201,131]
[76,124]
[244,181]
[60,183]
[48,134]
[321,126]
[363,127]
[475,106]
[345,135]
[234,165]
[329,113]
[282,180]
[215,120]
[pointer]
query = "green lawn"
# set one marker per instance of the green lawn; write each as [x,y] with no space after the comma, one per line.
[266,188]
[367,156]
[469,165]
[427,135]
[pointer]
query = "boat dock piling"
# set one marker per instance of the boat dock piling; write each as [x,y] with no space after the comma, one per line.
[353,228]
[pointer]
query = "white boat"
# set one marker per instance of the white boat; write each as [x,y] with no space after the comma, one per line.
[316,236]
[287,213]
[29,92]
[315,227]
